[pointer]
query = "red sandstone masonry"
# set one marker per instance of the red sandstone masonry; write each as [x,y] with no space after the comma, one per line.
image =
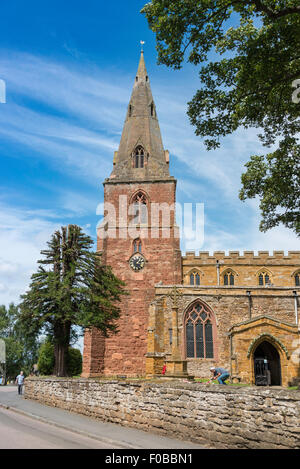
[124,353]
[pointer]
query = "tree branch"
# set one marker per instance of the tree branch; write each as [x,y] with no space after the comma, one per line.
[274,15]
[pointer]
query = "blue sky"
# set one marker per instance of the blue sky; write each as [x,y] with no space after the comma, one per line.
[69,69]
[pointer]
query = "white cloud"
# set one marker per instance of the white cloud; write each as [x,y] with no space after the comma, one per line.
[22,236]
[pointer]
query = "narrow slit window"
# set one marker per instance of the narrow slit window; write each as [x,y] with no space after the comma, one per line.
[137,245]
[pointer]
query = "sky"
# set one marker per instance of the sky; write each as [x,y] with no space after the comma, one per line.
[69,69]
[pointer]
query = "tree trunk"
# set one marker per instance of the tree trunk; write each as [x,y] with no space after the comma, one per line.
[60,352]
[61,345]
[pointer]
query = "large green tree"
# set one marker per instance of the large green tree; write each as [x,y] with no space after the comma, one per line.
[72,290]
[250,57]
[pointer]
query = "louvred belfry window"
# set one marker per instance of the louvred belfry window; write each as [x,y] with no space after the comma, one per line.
[199,332]
[140,209]
[139,157]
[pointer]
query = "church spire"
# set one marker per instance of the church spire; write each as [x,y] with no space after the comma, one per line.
[141,155]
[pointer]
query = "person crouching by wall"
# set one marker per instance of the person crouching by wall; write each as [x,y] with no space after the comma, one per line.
[219,374]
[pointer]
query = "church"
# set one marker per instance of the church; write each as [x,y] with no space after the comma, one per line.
[185,313]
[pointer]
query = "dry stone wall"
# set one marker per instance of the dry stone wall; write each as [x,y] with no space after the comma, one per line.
[224,417]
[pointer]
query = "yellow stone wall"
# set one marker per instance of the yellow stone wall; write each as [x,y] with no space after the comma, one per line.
[284,337]
[230,306]
[245,266]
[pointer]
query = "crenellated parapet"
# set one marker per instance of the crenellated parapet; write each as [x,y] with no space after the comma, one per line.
[242,268]
[241,257]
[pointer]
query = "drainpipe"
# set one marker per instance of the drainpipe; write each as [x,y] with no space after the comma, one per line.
[231,352]
[218,272]
[296,306]
[250,303]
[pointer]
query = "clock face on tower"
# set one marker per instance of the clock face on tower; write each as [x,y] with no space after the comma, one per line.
[137,262]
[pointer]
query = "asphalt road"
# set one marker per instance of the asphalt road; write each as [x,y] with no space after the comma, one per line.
[21,432]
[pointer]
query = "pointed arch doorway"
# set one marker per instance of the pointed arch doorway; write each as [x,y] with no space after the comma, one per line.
[267,366]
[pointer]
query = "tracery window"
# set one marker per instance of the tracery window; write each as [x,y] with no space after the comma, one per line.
[297,279]
[140,209]
[228,278]
[264,279]
[199,332]
[139,157]
[194,278]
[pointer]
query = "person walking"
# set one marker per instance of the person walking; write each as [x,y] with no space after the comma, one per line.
[20,381]
[220,374]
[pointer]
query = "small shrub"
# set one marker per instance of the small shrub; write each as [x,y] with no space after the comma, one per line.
[74,362]
[46,359]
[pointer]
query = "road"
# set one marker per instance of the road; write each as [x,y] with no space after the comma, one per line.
[29,424]
[21,432]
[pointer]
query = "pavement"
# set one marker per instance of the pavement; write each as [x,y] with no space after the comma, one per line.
[109,434]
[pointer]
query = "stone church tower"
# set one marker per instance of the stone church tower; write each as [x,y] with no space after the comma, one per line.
[141,242]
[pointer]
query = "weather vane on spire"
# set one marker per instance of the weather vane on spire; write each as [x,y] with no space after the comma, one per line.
[142,44]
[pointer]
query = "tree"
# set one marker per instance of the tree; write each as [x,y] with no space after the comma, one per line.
[250,85]
[21,347]
[76,291]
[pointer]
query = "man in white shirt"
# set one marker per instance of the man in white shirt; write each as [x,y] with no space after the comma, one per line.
[20,381]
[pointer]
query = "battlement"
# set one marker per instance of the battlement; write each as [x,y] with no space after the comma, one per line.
[292,256]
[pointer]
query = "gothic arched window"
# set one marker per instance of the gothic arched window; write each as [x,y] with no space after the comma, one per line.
[264,279]
[228,278]
[194,278]
[199,332]
[139,157]
[297,279]
[140,208]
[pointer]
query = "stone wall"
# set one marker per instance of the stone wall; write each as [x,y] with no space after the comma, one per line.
[221,417]
[230,308]
[244,266]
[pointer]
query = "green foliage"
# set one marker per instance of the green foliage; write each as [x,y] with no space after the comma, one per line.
[249,85]
[74,292]
[21,348]
[74,362]
[46,359]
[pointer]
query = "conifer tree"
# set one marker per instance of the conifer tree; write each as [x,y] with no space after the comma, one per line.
[72,290]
